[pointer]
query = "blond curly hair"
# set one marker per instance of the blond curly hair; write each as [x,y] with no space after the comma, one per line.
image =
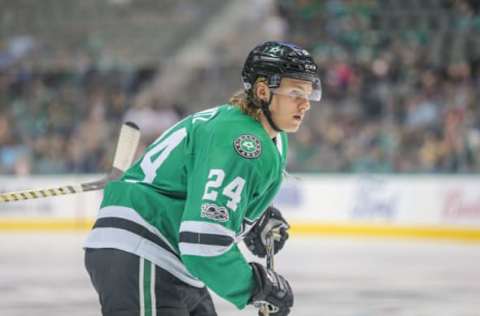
[245,102]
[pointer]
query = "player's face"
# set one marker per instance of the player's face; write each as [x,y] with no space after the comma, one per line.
[290,103]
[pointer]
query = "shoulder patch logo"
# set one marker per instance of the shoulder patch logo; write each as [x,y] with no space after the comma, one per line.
[214,212]
[248,146]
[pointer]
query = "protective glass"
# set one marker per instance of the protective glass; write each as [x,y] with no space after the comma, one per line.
[299,95]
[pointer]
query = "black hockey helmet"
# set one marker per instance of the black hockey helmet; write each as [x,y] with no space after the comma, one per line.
[275,60]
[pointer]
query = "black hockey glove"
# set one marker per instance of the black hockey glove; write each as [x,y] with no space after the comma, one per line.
[271,288]
[255,240]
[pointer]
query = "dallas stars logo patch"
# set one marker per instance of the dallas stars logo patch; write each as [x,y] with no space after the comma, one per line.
[248,146]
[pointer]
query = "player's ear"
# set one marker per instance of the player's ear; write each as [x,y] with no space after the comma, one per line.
[262,91]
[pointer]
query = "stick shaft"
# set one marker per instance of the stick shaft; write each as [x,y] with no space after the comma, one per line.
[54,191]
[270,239]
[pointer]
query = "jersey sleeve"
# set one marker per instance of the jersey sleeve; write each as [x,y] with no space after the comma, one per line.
[221,185]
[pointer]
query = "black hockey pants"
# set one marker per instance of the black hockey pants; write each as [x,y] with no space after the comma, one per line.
[128,285]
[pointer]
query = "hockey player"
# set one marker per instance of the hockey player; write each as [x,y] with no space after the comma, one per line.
[169,228]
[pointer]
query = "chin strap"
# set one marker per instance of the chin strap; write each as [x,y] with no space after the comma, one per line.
[265,107]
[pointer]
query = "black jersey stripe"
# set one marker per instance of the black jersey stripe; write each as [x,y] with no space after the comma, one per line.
[205,239]
[121,223]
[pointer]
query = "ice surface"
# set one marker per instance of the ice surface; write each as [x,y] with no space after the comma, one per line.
[42,274]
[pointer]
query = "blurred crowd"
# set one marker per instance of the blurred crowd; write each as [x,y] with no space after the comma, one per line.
[66,120]
[389,105]
[395,98]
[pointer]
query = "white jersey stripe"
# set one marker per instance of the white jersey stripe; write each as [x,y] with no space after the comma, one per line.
[130,214]
[127,241]
[203,250]
[206,228]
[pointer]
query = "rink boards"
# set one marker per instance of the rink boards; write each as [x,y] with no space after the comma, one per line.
[444,207]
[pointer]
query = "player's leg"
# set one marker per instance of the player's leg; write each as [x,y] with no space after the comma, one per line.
[204,306]
[196,301]
[114,274]
[128,285]
[169,299]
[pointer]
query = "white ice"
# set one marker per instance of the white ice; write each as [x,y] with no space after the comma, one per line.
[42,274]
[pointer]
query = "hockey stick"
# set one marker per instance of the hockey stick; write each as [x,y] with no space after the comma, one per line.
[126,147]
[270,238]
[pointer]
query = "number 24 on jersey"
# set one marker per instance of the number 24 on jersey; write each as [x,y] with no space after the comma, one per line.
[233,190]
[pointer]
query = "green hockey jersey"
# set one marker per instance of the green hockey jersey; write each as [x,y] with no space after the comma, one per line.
[192,196]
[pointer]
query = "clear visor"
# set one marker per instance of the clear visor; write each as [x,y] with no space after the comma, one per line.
[298,94]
